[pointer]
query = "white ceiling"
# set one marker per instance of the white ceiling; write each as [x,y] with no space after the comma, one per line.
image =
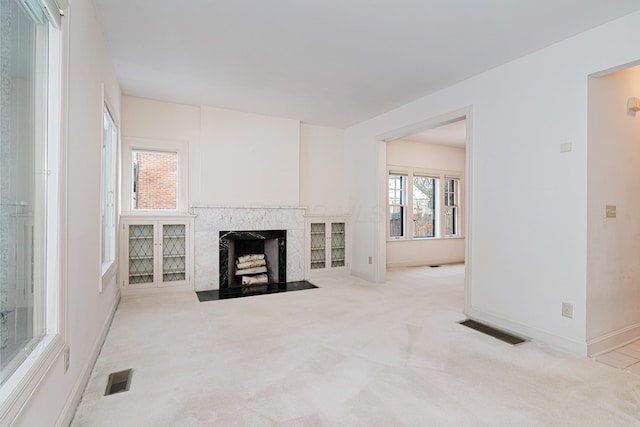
[327,62]
[452,134]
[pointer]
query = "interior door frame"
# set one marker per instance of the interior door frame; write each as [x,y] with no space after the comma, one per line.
[381,192]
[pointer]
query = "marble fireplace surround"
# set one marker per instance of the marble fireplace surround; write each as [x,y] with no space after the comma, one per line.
[211,220]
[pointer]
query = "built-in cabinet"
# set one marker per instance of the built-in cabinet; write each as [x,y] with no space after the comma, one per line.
[327,244]
[157,252]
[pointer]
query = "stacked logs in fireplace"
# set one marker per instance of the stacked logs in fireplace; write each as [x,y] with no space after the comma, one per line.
[252,268]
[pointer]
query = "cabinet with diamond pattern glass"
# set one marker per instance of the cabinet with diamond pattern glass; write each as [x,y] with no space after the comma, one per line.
[326,247]
[157,252]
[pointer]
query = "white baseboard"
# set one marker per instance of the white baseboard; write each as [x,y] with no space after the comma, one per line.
[76,394]
[572,346]
[361,275]
[158,290]
[613,340]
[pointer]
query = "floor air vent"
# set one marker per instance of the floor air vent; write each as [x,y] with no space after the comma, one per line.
[496,333]
[118,382]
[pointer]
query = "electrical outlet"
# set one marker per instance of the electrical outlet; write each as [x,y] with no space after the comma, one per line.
[370,259]
[567,310]
[67,356]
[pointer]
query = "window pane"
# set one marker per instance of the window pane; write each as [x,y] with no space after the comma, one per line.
[396,189]
[451,210]
[23,100]
[450,219]
[154,180]
[109,144]
[396,221]
[424,193]
[397,201]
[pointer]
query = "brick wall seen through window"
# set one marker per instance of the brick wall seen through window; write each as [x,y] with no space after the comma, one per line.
[154,180]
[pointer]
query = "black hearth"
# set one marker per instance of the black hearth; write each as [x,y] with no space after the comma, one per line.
[234,244]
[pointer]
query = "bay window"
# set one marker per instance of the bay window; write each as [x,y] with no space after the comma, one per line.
[434,201]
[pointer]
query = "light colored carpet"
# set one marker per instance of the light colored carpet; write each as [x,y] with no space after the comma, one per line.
[348,354]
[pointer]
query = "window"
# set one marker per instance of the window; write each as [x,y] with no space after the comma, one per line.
[154,180]
[155,176]
[434,202]
[28,188]
[451,206]
[424,203]
[397,203]
[109,151]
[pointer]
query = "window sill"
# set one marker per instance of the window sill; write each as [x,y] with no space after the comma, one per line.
[156,214]
[15,392]
[109,271]
[424,239]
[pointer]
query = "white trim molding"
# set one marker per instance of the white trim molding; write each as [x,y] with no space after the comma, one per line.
[613,340]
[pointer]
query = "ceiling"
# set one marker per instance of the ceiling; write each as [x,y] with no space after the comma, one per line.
[452,134]
[327,62]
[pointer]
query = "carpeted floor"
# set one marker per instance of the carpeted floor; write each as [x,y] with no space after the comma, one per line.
[349,353]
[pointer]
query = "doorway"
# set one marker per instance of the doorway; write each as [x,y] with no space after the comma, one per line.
[613,178]
[435,225]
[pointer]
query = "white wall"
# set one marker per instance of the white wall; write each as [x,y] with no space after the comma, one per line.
[248,159]
[422,155]
[88,312]
[322,170]
[528,245]
[613,293]
[403,155]
[235,158]
[164,121]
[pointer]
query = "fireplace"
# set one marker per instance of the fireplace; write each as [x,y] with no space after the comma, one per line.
[257,253]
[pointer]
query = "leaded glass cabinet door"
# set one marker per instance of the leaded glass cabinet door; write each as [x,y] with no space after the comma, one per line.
[157,253]
[174,254]
[141,254]
[318,245]
[338,244]
[327,244]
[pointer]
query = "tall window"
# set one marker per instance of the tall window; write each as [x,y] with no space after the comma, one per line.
[424,204]
[397,203]
[451,206]
[24,79]
[109,151]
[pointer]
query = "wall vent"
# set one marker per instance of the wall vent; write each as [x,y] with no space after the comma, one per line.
[118,382]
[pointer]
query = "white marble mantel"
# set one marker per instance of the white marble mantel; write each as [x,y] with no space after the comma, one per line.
[210,220]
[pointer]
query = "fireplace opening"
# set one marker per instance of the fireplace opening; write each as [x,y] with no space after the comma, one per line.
[252,258]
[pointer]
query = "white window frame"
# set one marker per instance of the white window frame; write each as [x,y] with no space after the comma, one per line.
[455,205]
[403,205]
[439,209]
[436,204]
[181,148]
[18,388]
[109,267]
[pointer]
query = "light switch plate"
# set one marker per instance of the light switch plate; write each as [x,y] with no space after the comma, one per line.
[610,211]
[565,147]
